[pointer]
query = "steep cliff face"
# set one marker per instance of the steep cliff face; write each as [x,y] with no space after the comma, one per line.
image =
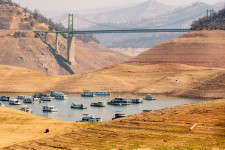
[198,48]
[20,47]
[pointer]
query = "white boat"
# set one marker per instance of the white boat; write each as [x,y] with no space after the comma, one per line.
[136,100]
[90,118]
[14,102]
[102,93]
[150,97]
[49,108]
[98,104]
[120,101]
[21,97]
[1,104]
[37,101]
[58,95]
[28,100]
[26,109]
[4,98]
[78,106]
[47,98]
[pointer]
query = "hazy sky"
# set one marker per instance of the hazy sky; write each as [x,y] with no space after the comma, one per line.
[62,5]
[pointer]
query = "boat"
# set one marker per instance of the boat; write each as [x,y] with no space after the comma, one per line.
[98,104]
[39,95]
[78,106]
[14,102]
[147,110]
[37,101]
[90,118]
[49,108]
[58,95]
[26,109]
[1,104]
[86,93]
[102,93]
[150,97]
[47,98]
[21,97]
[118,114]
[120,101]
[4,98]
[136,100]
[28,100]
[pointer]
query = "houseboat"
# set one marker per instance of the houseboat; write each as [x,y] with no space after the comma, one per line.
[98,104]
[28,100]
[21,97]
[136,100]
[102,93]
[1,104]
[118,114]
[150,97]
[39,95]
[58,95]
[14,102]
[120,101]
[26,109]
[49,108]
[90,118]
[78,106]
[4,98]
[48,98]
[86,93]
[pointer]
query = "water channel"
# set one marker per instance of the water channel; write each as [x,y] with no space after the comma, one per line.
[106,113]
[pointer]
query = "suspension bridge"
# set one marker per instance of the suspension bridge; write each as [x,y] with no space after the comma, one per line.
[113,29]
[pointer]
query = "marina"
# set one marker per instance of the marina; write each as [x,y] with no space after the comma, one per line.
[64,111]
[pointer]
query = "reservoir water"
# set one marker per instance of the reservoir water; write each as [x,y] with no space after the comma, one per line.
[106,113]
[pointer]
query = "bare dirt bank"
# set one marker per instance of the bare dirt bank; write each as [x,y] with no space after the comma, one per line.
[171,79]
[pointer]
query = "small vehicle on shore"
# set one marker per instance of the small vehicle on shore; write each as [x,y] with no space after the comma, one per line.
[78,106]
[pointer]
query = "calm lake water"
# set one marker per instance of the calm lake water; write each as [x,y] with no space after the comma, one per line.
[106,113]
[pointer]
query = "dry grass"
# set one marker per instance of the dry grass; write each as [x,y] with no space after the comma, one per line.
[162,129]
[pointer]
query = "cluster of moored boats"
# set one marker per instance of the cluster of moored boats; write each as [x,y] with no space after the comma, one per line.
[53,95]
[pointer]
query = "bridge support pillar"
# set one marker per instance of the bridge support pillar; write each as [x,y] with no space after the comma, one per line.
[71,48]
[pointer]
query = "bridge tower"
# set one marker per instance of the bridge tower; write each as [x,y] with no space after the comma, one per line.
[70,40]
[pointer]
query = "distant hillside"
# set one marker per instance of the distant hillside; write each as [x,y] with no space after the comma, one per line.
[197,48]
[22,48]
[215,21]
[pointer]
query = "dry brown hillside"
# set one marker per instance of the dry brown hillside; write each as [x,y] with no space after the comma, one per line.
[167,128]
[198,48]
[22,48]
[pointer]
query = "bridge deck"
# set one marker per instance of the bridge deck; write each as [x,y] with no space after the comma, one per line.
[117,31]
